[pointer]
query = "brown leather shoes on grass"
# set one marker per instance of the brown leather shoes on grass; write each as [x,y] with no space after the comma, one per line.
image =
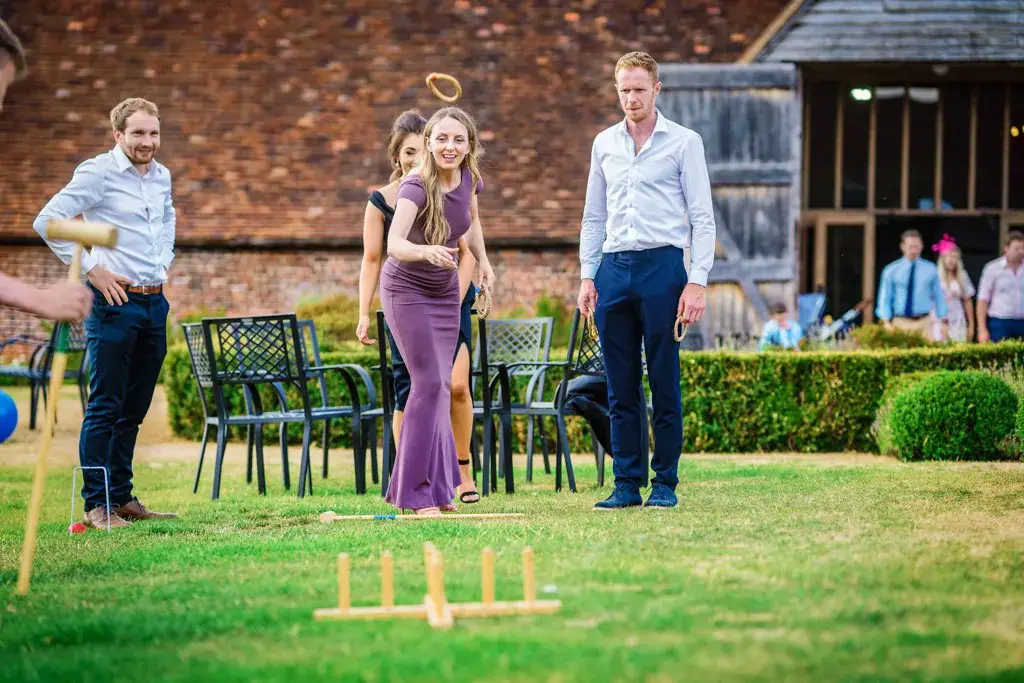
[134,510]
[97,519]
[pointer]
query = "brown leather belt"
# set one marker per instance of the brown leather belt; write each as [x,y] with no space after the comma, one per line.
[145,289]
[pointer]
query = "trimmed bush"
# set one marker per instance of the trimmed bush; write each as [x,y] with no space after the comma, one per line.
[953,415]
[732,402]
[896,385]
[873,337]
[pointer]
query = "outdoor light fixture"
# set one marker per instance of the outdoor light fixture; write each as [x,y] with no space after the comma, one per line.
[861,94]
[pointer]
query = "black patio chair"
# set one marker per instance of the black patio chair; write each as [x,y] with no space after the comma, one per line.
[37,371]
[363,428]
[268,349]
[584,358]
[211,419]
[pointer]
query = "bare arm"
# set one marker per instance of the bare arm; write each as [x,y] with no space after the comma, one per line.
[969,311]
[467,264]
[402,249]
[373,247]
[983,335]
[475,241]
[62,301]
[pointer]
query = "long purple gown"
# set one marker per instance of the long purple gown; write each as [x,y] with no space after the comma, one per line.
[421,304]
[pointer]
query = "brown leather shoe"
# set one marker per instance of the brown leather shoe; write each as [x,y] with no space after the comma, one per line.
[97,519]
[134,510]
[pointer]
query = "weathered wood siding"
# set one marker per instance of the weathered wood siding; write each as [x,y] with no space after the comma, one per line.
[749,119]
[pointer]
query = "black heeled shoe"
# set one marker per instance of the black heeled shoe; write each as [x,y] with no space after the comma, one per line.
[468,497]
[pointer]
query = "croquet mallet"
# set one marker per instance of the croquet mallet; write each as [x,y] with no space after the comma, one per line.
[83,235]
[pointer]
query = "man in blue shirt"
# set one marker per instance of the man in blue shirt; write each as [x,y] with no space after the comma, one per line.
[910,290]
[127,331]
[648,198]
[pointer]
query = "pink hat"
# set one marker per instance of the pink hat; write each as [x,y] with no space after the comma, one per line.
[944,245]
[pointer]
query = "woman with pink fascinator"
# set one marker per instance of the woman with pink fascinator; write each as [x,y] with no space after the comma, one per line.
[959,291]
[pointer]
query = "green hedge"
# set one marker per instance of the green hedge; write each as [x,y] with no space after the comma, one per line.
[953,415]
[881,428]
[732,402]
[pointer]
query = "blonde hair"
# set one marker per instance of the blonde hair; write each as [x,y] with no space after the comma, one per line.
[119,114]
[960,275]
[436,229]
[637,59]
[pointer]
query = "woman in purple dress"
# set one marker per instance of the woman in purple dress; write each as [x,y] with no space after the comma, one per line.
[419,285]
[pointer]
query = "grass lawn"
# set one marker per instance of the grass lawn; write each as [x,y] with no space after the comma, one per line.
[772,568]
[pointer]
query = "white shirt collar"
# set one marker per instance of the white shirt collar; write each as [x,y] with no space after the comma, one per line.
[660,123]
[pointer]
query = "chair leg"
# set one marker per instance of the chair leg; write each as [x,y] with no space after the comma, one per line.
[506,450]
[222,442]
[260,470]
[544,450]
[250,441]
[286,474]
[374,470]
[385,458]
[202,453]
[564,438]
[305,475]
[33,405]
[530,423]
[359,456]
[488,448]
[327,444]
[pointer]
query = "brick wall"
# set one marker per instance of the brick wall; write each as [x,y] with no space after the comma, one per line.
[275,115]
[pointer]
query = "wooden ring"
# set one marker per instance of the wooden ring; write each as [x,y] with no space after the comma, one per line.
[437,93]
[680,334]
[483,302]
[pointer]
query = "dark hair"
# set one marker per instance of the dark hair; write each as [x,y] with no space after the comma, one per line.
[11,48]
[907,234]
[410,122]
[1014,236]
[778,308]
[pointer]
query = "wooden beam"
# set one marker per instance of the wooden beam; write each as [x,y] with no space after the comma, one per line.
[759,270]
[805,180]
[837,187]
[939,126]
[1006,149]
[752,52]
[972,162]
[872,149]
[868,286]
[905,152]
[820,252]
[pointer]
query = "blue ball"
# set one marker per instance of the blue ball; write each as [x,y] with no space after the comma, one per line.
[8,416]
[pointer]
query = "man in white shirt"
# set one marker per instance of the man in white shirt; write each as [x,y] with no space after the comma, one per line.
[127,331]
[63,300]
[648,198]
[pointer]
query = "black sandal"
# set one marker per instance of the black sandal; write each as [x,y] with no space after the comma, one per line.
[462,496]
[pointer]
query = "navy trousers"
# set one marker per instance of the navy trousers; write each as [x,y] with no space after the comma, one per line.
[637,298]
[1005,328]
[127,345]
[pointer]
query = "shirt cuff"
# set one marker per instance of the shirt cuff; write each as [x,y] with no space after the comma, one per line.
[88,262]
[588,271]
[698,276]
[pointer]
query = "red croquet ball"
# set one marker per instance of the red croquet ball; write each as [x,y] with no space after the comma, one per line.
[77,528]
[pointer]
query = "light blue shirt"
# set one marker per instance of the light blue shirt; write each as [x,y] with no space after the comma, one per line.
[109,189]
[926,297]
[772,334]
[658,197]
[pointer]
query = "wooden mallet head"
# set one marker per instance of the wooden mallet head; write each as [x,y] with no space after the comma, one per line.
[86,234]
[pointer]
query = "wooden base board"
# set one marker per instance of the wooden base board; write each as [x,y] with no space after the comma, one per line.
[463,610]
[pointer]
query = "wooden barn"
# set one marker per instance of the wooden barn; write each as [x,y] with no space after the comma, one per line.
[845,123]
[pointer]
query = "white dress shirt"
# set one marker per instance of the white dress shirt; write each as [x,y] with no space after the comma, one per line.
[108,189]
[658,197]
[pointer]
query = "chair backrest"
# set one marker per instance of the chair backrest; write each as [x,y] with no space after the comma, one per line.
[310,343]
[516,341]
[255,350]
[387,379]
[197,354]
[585,357]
